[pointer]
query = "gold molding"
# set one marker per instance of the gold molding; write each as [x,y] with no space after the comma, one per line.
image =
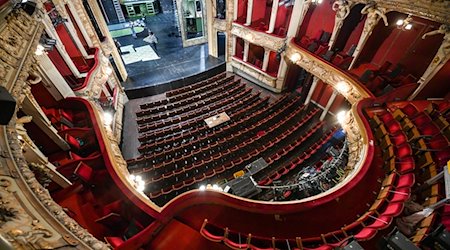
[435,10]
[256,37]
[254,72]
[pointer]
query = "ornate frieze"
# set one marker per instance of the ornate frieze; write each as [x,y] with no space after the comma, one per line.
[436,10]
[342,82]
[259,38]
[254,72]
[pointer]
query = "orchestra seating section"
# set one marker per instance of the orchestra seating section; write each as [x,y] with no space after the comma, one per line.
[179,152]
[92,199]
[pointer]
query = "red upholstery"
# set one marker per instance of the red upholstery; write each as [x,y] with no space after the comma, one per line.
[365,234]
[406,180]
[114,241]
[73,142]
[84,172]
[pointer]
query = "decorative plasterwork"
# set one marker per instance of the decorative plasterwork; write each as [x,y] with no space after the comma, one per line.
[33,219]
[436,10]
[259,38]
[220,24]
[345,84]
[98,77]
[84,18]
[254,72]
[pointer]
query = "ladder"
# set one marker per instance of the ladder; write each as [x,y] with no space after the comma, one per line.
[119,11]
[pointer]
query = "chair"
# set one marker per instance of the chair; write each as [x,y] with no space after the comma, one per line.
[84,172]
[114,241]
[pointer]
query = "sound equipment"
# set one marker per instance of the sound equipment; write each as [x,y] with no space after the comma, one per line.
[7,106]
[353,245]
[29,7]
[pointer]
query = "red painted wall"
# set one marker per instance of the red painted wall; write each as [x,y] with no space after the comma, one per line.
[255,53]
[283,19]
[239,48]
[59,62]
[259,11]
[319,17]
[439,86]
[43,96]
[80,35]
[242,11]
[2,2]
[72,49]
[402,46]
[274,64]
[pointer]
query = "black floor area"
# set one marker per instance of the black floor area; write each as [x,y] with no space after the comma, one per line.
[175,62]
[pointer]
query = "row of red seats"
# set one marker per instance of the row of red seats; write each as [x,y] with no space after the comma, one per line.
[237,161]
[198,125]
[195,109]
[190,133]
[239,138]
[284,170]
[201,139]
[224,93]
[236,102]
[208,94]
[199,90]
[196,85]
[389,203]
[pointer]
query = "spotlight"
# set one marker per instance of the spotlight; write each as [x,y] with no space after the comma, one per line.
[295,57]
[342,87]
[107,119]
[341,117]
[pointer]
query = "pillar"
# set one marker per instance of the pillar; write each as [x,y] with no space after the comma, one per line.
[265,63]
[311,89]
[298,14]
[342,11]
[327,108]
[246,48]
[273,16]
[248,21]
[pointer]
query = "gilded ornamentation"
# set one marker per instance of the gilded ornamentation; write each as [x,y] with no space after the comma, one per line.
[259,38]
[255,73]
[220,24]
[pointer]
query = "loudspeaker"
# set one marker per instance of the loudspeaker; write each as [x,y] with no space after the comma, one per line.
[29,7]
[7,104]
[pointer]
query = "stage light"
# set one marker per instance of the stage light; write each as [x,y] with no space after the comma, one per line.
[341,117]
[202,188]
[295,57]
[108,119]
[342,87]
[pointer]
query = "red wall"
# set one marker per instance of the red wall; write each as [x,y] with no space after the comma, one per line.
[242,11]
[322,93]
[320,17]
[80,35]
[439,86]
[259,10]
[2,2]
[59,62]
[239,48]
[404,47]
[43,96]
[72,49]
[274,64]
[283,19]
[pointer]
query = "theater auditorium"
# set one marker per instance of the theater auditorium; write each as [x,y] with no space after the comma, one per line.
[274,125]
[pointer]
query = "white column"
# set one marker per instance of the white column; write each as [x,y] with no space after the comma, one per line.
[330,102]
[60,7]
[60,45]
[311,89]
[80,24]
[248,21]
[246,48]
[51,74]
[235,9]
[212,32]
[265,63]
[298,14]
[281,74]
[273,16]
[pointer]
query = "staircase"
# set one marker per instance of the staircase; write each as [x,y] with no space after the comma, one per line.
[119,11]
